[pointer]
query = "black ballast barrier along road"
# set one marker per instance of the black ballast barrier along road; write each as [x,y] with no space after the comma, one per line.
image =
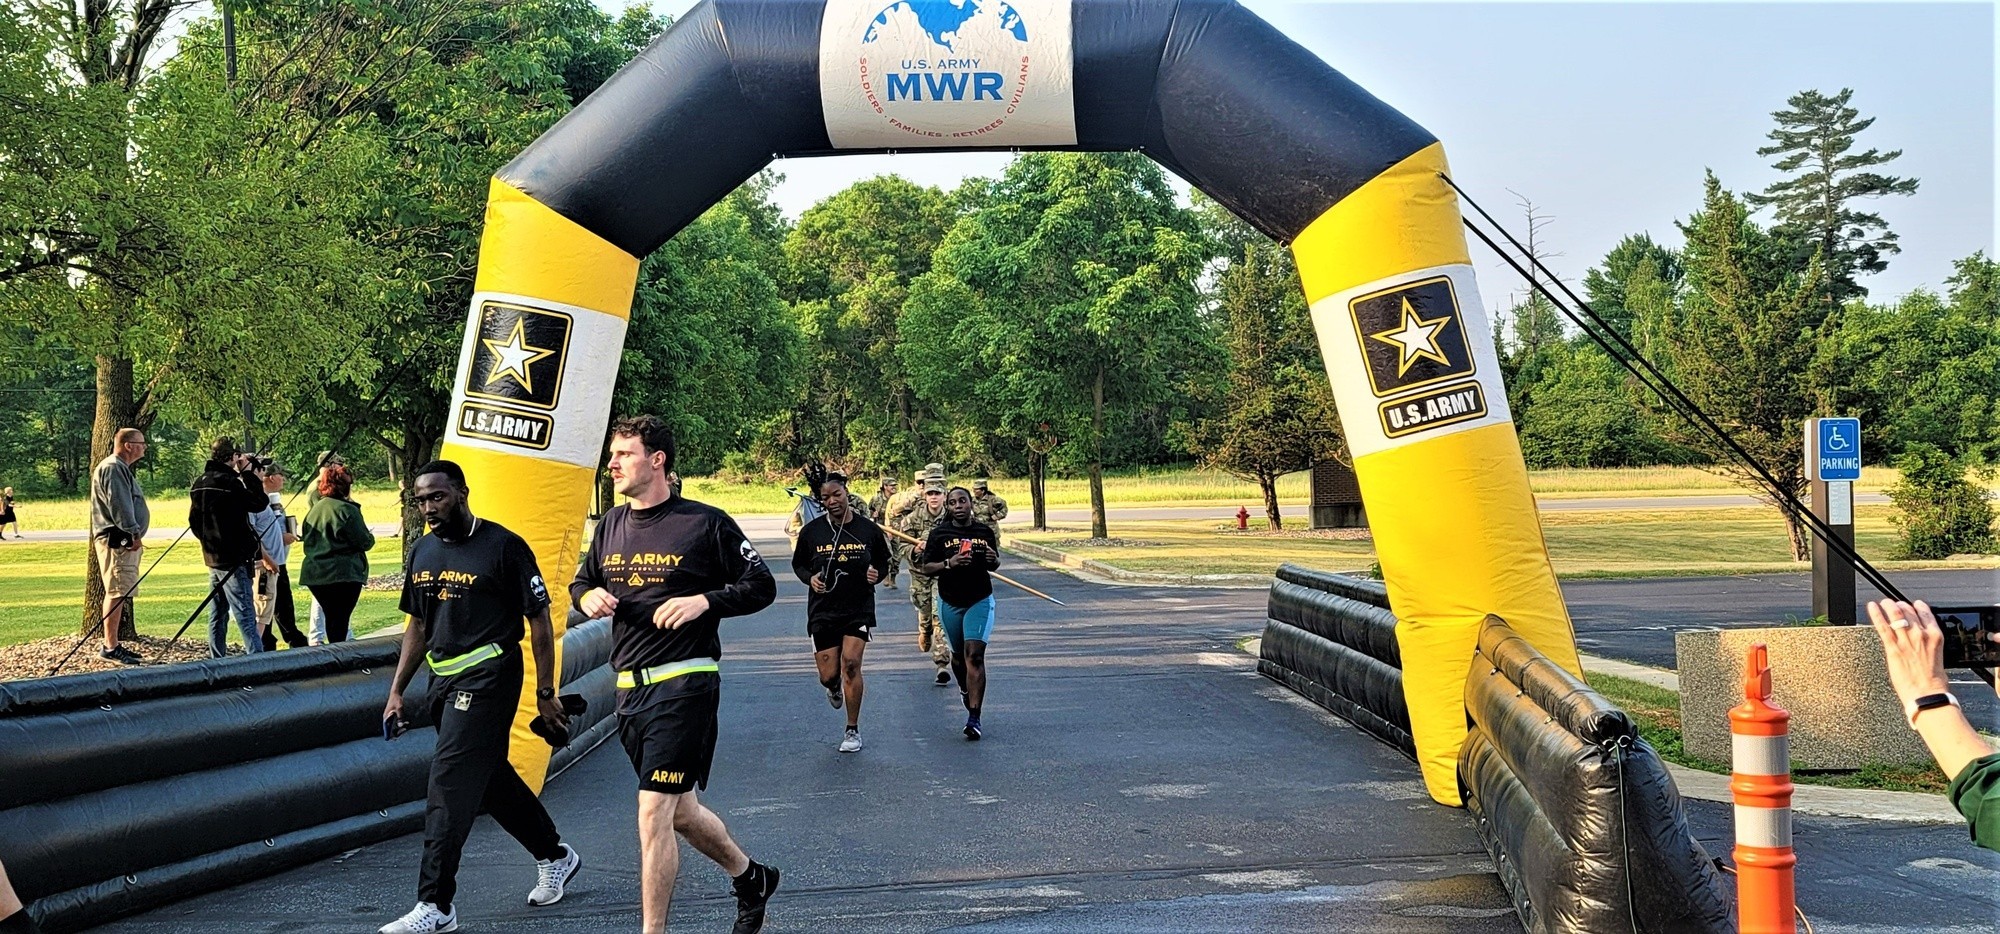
[126,789]
[1578,812]
[1331,638]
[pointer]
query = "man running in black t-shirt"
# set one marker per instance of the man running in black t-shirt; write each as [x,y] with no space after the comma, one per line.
[667,570]
[959,553]
[841,556]
[469,585]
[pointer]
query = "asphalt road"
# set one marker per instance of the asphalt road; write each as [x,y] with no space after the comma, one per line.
[1136,776]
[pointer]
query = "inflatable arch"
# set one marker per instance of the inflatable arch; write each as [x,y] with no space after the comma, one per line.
[1205,87]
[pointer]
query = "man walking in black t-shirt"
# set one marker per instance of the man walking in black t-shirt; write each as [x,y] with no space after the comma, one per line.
[841,556]
[470,583]
[667,570]
[959,553]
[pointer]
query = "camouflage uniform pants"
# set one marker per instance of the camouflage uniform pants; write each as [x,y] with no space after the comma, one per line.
[923,590]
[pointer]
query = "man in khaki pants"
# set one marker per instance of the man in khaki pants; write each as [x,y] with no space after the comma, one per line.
[119,521]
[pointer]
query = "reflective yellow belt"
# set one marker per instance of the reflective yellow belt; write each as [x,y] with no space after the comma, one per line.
[446,667]
[659,673]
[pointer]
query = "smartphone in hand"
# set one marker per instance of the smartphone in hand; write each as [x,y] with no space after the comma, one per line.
[393,727]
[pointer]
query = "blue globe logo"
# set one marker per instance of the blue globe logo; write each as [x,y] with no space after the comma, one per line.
[945,21]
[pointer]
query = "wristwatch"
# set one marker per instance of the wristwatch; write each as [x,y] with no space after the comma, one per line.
[545,693]
[1927,702]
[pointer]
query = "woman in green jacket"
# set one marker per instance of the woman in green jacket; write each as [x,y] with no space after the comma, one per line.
[336,542]
[1913,645]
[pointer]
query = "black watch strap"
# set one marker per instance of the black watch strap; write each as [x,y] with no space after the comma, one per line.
[545,693]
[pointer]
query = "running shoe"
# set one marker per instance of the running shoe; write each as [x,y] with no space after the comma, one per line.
[751,897]
[121,655]
[834,698]
[944,676]
[852,741]
[423,919]
[972,728]
[552,876]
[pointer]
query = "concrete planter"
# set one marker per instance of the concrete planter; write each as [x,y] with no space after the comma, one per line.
[1831,678]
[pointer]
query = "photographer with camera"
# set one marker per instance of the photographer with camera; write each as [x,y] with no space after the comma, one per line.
[1913,645]
[119,521]
[220,504]
[840,557]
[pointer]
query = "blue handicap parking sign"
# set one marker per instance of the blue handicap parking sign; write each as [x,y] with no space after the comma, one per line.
[1838,454]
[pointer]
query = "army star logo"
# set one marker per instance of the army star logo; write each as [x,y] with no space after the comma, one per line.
[1411,336]
[1416,339]
[513,358]
[519,353]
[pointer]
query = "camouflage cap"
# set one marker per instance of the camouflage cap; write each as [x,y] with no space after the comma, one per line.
[934,471]
[917,476]
[979,484]
[934,485]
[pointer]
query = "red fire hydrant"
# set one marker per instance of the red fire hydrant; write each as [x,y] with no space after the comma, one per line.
[1242,518]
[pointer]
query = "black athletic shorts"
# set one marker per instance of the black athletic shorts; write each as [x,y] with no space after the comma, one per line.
[672,743]
[829,637]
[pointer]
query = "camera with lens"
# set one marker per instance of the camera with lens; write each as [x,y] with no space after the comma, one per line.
[260,463]
[1968,634]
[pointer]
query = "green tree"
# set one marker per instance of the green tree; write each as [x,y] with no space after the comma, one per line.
[1580,414]
[1606,283]
[1068,301]
[851,259]
[1748,341]
[1926,371]
[1942,512]
[710,334]
[1814,140]
[1277,412]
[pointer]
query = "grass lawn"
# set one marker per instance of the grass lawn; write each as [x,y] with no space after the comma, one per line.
[170,508]
[1176,487]
[1656,711]
[1608,543]
[41,590]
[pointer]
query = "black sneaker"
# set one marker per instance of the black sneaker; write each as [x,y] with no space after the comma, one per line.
[972,729]
[752,896]
[944,676]
[121,655]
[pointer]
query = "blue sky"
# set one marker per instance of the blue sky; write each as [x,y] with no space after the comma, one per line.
[1606,114]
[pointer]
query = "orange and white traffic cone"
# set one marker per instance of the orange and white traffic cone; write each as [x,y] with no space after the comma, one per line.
[1761,779]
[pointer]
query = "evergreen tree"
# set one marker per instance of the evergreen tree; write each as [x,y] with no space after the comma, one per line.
[1814,139]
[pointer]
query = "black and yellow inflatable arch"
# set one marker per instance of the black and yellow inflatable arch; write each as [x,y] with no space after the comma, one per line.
[1203,86]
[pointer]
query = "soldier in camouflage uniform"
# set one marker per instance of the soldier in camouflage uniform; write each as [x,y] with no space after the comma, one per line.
[987,509]
[878,509]
[930,635]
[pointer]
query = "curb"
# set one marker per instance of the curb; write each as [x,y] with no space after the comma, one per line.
[1097,572]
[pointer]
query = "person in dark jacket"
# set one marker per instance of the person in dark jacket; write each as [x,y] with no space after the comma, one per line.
[220,504]
[1913,647]
[336,541]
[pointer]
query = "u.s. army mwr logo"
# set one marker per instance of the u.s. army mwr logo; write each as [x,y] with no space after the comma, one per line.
[518,355]
[1411,335]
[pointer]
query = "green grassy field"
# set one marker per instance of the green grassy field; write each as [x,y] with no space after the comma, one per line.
[1608,543]
[1179,487]
[170,508]
[1656,711]
[41,590]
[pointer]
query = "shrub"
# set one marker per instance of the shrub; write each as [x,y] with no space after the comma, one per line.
[1943,511]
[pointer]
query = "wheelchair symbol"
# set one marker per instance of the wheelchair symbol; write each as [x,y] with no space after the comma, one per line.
[1836,441]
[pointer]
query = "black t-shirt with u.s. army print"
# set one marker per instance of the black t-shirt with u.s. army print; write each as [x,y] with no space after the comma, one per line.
[473,591]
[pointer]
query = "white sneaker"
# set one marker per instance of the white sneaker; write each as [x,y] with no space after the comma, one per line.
[552,875]
[423,919]
[851,742]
